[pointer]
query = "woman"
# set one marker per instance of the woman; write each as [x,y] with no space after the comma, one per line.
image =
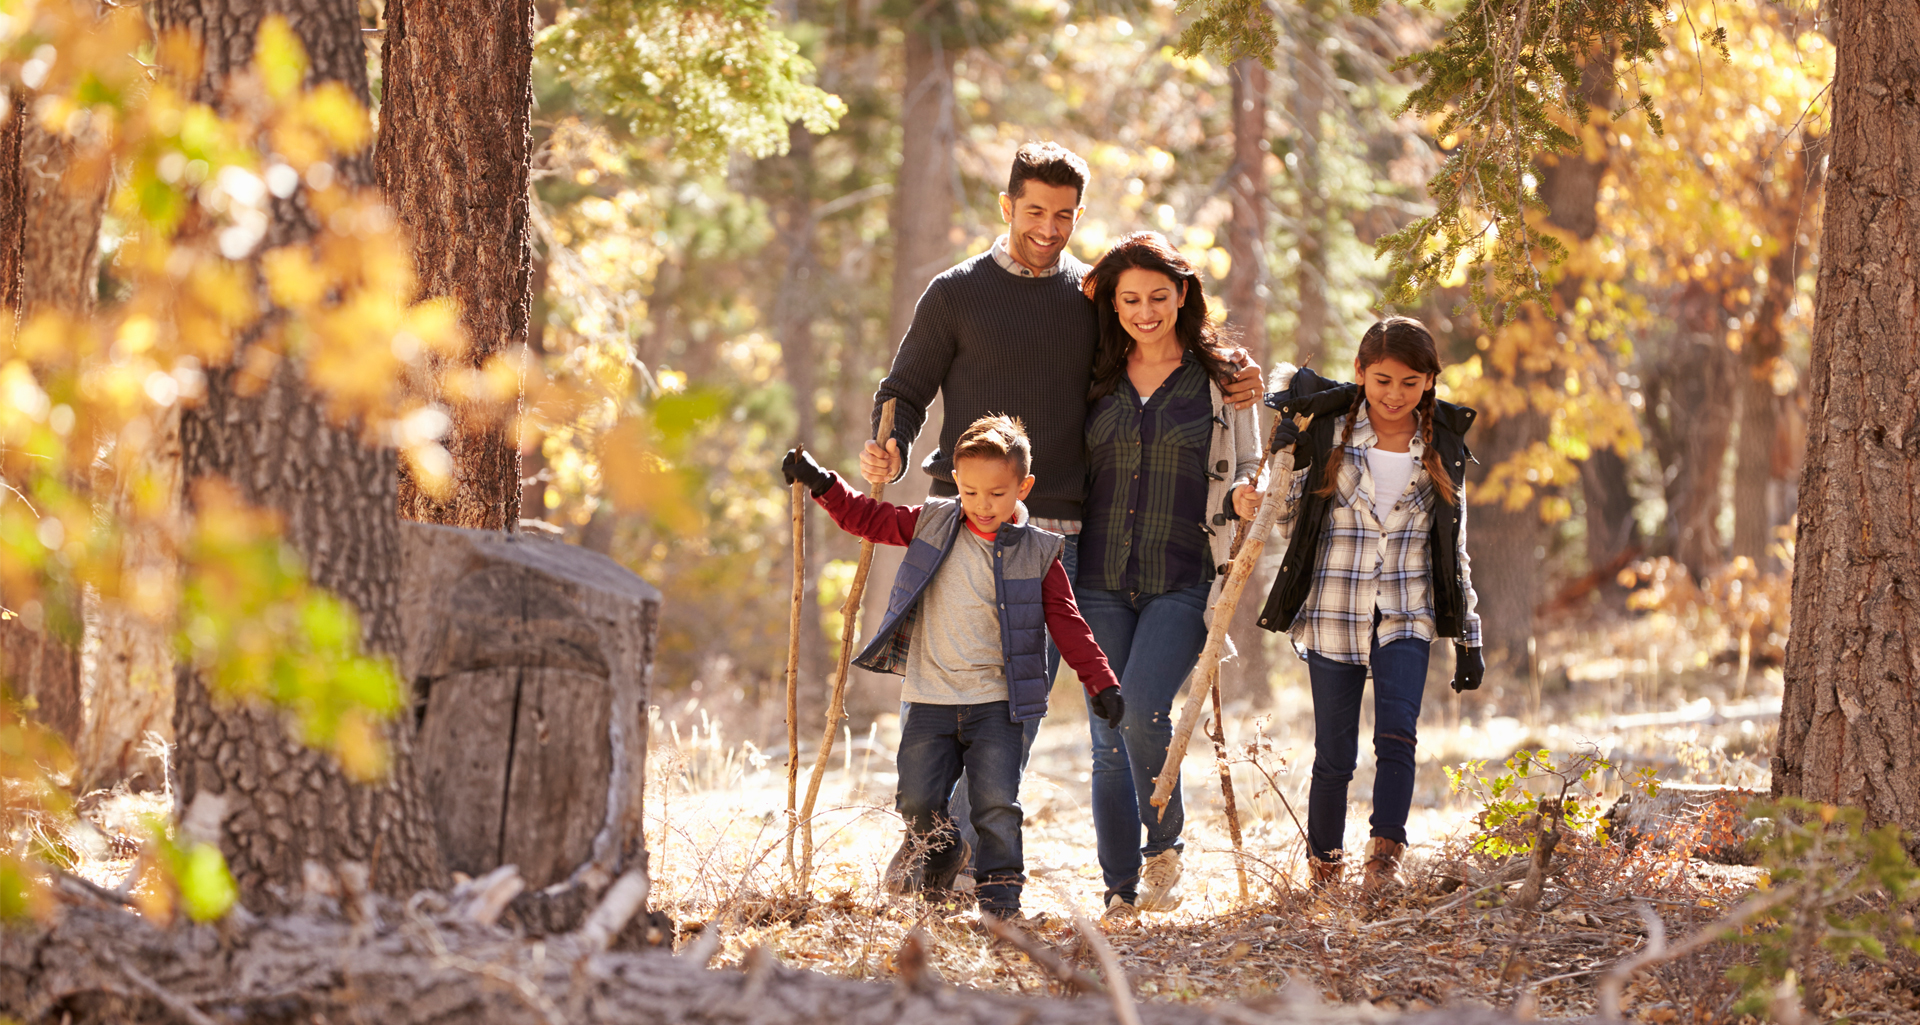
[1173,464]
[1375,569]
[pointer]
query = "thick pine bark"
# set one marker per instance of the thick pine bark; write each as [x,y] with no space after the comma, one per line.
[272,442]
[1246,293]
[52,192]
[1850,725]
[453,158]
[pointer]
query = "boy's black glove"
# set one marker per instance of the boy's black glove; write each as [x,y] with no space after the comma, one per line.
[1108,705]
[1468,668]
[1285,433]
[799,468]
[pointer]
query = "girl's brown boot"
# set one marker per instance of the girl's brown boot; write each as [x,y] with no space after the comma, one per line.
[1324,873]
[1383,860]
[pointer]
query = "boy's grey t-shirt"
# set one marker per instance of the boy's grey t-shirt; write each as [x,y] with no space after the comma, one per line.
[954,656]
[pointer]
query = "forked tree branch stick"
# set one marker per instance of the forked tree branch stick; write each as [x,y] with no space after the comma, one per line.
[1657,951]
[1237,576]
[837,705]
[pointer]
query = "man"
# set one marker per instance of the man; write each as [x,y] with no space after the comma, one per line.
[1009,332]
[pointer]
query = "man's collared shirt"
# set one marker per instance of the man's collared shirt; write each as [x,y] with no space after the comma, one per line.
[1367,564]
[1004,257]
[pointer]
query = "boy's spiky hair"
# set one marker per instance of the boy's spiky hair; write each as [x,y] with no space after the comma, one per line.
[996,437]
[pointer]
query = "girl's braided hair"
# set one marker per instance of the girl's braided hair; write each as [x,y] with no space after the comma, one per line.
[1149,250]
[1407,340]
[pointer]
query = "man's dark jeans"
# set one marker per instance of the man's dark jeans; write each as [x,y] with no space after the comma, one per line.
[1399,680]
[1070,560]
[937,742]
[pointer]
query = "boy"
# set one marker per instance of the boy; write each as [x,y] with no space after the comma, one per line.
[967,625]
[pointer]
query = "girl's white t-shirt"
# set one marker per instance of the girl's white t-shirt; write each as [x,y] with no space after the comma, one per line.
[1392,472]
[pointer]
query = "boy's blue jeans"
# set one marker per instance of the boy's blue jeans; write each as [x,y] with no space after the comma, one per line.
[1399,680]
[1152,642]
[1070,561]
[937,742]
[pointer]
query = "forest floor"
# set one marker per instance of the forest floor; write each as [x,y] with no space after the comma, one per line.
[717,838]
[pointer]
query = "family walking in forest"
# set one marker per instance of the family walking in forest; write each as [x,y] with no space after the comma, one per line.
[1099,451]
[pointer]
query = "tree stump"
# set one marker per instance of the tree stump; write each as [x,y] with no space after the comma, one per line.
[531,663]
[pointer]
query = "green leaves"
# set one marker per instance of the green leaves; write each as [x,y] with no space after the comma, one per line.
[1510,81]
[1510,801]
[712,76]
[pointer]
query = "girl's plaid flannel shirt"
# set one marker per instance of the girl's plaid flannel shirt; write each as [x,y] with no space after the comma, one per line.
[1365,565]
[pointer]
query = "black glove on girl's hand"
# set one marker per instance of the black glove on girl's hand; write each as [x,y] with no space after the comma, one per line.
[799,468]
[1468,668]
[1285,433]
[1108,705]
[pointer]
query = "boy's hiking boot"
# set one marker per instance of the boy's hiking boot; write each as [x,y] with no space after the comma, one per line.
[942,882]
[1158,877]
[1324,873]
[902,878]
[1383,859]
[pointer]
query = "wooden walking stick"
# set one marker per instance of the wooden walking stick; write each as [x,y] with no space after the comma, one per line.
[837,704]
[793,659]
[1238,574]
[1226,783]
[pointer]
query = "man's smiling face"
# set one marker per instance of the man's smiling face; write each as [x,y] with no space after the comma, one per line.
[1040,220]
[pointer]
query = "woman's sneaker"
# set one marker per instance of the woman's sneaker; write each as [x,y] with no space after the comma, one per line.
[1158,877]
[1118,910]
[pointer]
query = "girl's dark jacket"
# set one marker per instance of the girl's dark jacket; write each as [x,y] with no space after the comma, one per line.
[1327,401]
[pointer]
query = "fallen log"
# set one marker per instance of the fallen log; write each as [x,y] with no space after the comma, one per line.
[424,963]
[1707,821]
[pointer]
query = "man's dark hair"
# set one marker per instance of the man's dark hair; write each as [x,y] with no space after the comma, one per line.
[1048,163]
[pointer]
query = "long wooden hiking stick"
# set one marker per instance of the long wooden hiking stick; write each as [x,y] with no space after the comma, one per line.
[837,705]
[793,659]
[1238,574]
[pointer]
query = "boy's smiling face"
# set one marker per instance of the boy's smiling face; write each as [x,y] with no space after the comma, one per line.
[989,490]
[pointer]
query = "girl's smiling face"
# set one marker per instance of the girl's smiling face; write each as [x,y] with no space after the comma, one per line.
[1148,302]
[1393,393]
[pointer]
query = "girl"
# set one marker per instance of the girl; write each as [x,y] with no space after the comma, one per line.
[1172,464]
[1375,568]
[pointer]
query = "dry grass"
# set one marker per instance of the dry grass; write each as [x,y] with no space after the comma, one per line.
[718,849]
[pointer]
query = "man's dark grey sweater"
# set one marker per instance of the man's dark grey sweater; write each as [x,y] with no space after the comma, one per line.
[998,343]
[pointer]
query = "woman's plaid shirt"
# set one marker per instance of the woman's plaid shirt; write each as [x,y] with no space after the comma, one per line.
[1365,565]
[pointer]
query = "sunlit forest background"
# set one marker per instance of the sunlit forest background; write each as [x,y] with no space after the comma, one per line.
[1638,457]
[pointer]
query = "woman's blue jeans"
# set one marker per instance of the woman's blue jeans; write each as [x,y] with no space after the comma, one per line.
[1152,642]
[1399,679]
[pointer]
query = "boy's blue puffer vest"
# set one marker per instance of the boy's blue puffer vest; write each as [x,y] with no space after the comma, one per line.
[1022,555]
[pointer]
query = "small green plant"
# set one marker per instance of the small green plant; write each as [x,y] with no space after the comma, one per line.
[1831,883]
[1533,782]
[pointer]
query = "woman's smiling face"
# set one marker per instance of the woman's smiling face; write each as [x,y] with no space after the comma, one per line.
[1148,302]
[1393,393]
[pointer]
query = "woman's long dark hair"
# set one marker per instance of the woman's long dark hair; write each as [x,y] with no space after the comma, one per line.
[1149,250]
[1409,341]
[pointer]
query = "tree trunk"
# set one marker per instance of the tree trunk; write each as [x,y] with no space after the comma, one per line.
[52,191]
[1754,512]
[793,316]
[922,223]
[1697,387]
[455,112]
[1309,107]
[1248,675]
[1850,728]
[1504,547]
[273,443]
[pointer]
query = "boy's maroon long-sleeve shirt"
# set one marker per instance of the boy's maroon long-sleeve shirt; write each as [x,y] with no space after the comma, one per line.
[888,524]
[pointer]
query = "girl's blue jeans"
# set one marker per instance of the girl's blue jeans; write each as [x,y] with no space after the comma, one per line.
[1399,679]
[1152,642]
